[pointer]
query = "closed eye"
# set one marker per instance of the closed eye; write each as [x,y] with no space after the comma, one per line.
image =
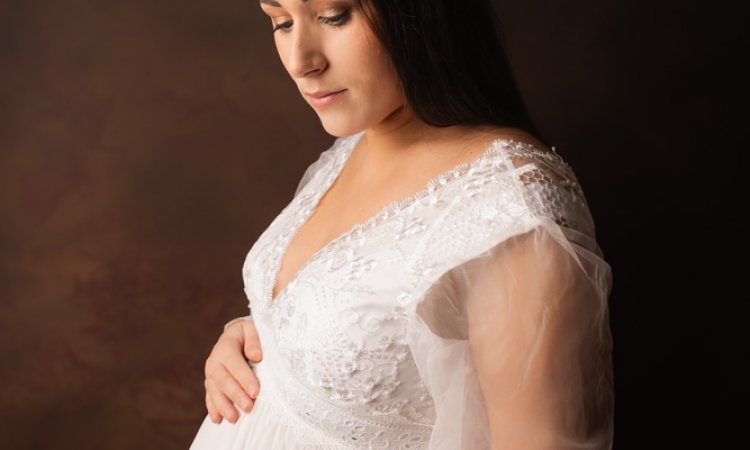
[339,19]
[285,26]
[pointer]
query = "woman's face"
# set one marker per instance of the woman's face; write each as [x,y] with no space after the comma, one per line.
[338,64]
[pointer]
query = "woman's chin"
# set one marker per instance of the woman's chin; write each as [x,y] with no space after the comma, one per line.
[340,128]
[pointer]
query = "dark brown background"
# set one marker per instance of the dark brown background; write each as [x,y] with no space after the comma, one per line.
[144,145]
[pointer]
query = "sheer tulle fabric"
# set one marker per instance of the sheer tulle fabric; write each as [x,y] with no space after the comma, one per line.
[514,346]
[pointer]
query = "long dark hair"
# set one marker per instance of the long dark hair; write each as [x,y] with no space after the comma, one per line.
[450,59]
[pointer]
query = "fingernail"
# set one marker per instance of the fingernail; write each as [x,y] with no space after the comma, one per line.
[253,392]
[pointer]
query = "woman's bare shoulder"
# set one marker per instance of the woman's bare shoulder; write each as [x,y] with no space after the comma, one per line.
[464,144]
[489,133]
[486,135]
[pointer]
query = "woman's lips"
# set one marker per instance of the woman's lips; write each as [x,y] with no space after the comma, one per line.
[322,99]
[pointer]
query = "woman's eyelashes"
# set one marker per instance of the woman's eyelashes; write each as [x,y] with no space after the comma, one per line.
[339,19]
[283,26]
[336,21]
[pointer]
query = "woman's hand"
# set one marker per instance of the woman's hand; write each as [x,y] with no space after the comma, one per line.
[229,379]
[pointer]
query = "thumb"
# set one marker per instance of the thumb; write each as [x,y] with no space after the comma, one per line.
[252,342]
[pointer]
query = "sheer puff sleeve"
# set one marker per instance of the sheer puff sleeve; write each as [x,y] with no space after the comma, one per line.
[514,345]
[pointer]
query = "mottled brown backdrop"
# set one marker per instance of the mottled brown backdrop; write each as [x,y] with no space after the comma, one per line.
[144,145]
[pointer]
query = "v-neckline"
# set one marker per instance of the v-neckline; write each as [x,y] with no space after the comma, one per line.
[341,159]
[435,183]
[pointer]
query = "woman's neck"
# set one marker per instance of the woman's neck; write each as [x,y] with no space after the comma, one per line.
[401,137]
[394,136]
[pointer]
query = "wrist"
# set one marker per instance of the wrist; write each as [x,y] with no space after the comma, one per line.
[247,318]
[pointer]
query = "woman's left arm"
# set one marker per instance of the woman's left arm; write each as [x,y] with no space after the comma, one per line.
[540,342]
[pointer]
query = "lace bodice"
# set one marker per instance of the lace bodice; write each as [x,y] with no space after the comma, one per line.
[339,340]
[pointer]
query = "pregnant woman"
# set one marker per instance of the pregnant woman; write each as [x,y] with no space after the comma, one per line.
[435,282]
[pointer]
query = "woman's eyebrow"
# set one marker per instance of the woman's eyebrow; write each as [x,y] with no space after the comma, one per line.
[275,3]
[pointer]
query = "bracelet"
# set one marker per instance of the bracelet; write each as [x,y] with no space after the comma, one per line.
[247,318]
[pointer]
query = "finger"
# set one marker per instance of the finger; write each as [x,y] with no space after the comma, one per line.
[227,355]
[213,413]
[229,345]
[222,403]
[228,385]
[252,348]
[243,374]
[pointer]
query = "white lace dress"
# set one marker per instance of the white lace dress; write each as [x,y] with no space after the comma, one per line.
[472,311]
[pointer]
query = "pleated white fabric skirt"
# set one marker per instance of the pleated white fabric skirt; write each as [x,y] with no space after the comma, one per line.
[268,426]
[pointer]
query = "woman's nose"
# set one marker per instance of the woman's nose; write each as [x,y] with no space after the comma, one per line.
[305,57]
